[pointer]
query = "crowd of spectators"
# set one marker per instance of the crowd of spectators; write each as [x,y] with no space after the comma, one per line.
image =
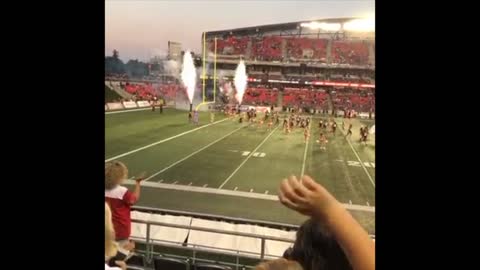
[293,49]
[359,100]
[350,52]
[306,49]
[267,48]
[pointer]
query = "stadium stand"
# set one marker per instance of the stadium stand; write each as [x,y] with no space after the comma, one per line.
[306,49]
[110,95]
[353,99]
[260,96]
[349,52]
[230,46]
[267,48]
[304,97]
[140,91]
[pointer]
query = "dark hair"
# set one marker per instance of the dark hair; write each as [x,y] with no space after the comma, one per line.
[316,249]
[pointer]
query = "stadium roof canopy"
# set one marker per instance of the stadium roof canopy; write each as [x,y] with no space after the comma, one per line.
[274,27]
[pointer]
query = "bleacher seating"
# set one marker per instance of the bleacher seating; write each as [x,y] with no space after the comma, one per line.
[230,46]
[353,100]
[260,96]
[141,91]
[164,263]
[304,97]
[170,91]
[350,52]
[306,49]
[267,48]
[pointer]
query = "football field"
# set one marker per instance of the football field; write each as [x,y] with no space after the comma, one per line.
[234,169]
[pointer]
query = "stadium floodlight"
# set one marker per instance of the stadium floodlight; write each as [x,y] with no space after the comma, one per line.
[360,25]
[323,26]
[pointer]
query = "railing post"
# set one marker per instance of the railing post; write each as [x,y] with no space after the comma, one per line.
[149,253]
[238,260]
[194,253]
[262,254]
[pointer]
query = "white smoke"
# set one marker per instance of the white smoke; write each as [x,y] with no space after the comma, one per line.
[240,81]
[189,75]
[171,67]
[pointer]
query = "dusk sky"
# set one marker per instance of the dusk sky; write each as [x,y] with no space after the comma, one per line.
[141,29]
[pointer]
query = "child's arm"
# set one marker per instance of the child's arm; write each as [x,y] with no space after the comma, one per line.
[310,198]
[138,180]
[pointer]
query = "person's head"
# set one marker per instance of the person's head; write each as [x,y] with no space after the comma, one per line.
[279,264]
[110,245]
[115,173]
[316,249]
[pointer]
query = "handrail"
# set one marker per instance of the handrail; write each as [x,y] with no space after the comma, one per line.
[276,225]
[150,242]
[194,228]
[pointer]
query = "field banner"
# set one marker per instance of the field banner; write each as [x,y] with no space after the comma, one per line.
[277,109]
[106,107]
[143,103]
[129,104]
[340,113]
[115,106]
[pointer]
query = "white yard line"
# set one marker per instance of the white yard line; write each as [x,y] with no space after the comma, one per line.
[361,162]
[306,147]
[190,155]
[246,159]
[162,141]
[237,193]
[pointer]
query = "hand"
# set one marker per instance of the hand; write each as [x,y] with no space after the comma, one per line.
[141,177]
[130,245]
[307,197]
[122,264]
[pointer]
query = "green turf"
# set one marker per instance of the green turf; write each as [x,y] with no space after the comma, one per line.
[186,160]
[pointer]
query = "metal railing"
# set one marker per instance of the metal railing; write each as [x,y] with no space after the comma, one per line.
[150,243]
[263,223]
[195,248]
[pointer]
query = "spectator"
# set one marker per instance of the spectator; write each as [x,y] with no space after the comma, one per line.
[315,248]
[110,245]
[120,199]
[310,198]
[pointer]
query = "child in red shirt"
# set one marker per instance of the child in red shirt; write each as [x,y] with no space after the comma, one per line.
[119,198]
